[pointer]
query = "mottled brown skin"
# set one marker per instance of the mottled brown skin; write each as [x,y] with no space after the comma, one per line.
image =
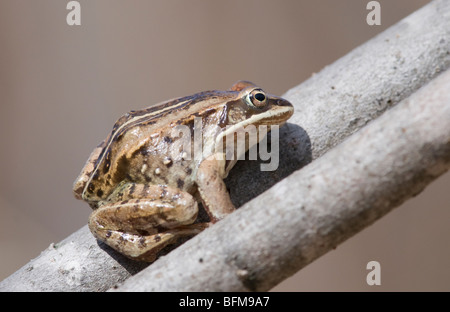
[144,186]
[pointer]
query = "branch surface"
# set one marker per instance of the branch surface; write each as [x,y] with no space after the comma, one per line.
[316,208]
[330,106]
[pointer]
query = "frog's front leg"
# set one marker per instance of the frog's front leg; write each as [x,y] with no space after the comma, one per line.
[145,220]
[213,191]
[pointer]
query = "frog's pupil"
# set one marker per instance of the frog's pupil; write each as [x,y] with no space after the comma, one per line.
[260,97]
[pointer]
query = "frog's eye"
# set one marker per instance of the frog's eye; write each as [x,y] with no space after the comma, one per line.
[256,98]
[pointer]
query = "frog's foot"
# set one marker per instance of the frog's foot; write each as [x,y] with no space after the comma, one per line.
[140,228]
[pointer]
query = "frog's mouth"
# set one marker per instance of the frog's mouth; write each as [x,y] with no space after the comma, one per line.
[278,114]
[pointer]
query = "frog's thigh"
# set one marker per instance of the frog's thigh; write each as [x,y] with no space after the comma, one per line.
[146,209]
[132,226]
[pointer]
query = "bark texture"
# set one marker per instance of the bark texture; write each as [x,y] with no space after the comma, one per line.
[315,209]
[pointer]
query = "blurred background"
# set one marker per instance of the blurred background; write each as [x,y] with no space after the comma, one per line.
[62,88]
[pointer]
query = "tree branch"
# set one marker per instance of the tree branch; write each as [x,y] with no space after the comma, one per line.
[315,209]
[330,106]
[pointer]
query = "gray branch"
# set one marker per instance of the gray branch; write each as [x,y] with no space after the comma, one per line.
[316,208]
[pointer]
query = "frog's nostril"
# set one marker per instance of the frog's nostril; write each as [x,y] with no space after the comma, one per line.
[283,102]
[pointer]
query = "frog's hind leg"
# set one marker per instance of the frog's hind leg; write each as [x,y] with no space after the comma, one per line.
[140,228]
[147,247]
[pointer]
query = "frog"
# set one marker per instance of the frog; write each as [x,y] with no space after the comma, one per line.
[145,188]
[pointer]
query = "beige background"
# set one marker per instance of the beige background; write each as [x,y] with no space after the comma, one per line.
[62,87]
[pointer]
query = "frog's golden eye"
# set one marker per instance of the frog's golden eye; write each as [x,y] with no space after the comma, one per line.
[256,98]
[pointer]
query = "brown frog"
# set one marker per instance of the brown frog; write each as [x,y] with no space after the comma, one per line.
[144,186]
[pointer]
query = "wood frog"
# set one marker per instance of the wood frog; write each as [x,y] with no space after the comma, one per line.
[144,187]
